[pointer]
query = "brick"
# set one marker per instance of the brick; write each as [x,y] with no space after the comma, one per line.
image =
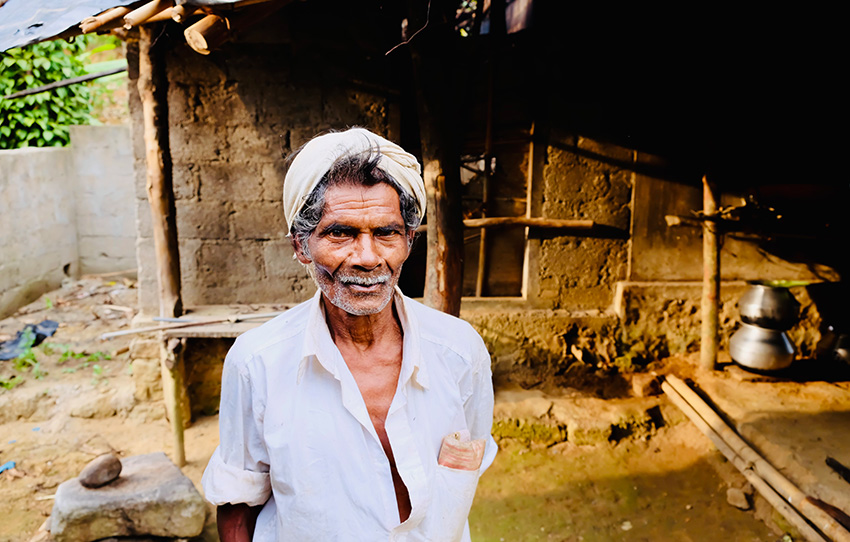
[258,220]
[202,219]
[222,181]
[280,260]
[223,263]
[272,175]
[145,348]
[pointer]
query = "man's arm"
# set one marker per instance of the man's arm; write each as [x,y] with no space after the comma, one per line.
[236,522]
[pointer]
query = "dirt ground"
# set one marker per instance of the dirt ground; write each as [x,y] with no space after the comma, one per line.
[671,486]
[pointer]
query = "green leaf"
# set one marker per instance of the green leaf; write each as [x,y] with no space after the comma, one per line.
[47,135]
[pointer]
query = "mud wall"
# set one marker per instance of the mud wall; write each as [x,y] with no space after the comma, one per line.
[65,211]
[233,117]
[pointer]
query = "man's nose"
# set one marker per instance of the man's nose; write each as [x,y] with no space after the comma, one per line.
[366,254]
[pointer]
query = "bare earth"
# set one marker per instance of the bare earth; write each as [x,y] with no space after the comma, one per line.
[669,487]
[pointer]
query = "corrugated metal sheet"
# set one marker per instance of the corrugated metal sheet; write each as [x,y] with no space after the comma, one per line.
[29,21]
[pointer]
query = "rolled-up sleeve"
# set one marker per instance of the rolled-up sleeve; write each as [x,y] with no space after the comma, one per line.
[238,471]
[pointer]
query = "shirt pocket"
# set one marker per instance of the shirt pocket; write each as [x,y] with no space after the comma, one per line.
[446,518]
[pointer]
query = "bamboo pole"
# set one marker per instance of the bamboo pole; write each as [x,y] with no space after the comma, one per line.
[766,491]
[181,324]
[757,463]
[144,13]
[207,34]
[711,280]
[109,19]
[181,12]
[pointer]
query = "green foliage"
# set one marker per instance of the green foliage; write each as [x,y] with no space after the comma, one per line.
[42,120]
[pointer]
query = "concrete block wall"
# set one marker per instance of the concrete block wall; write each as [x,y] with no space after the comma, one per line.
[233,117]
[65,211]
[102,167]
[39,239]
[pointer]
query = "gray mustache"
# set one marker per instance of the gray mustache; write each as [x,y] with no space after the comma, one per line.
[367,280]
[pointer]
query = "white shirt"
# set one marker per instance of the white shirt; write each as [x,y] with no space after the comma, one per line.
[295,434]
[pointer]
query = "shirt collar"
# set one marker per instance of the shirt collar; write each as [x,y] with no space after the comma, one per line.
[318,343]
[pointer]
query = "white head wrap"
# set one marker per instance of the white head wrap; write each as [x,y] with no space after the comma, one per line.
[321,153]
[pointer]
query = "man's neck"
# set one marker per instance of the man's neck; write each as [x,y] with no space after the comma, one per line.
[362,332]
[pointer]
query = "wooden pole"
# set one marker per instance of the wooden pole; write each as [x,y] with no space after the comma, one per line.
[175,394]
[152,85]
[207,34]
[757,463]
[711,279]
[143,13]
[766,491]
[433,57]
[109,19]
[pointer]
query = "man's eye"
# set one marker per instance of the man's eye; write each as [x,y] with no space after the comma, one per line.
[338,233]
[387,233]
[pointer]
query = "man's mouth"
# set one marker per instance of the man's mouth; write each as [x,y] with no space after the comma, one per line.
[367,283]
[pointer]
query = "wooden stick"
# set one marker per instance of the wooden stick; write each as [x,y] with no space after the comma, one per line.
[152,85]
[207,34]
[181,13]
[175,394]
[144,13]
[766,491]
[190,323]
[768,472]
[711,280]
[64,83]
[109,19]
[496,222]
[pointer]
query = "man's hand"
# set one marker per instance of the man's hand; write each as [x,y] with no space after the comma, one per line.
[236,522]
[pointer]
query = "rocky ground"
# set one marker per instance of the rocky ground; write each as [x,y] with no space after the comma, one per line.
[571,466]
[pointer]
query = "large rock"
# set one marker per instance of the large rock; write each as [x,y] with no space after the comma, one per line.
[152,497]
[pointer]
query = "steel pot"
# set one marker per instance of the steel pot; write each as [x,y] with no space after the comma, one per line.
[769,307]
[761,349]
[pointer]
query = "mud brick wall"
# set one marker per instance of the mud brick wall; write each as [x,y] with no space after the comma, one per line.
[233,117]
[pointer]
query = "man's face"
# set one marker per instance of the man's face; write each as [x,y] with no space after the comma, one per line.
[358,248]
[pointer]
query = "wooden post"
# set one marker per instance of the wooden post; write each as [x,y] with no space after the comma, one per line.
[711,279]
[152,85]
[433,60]
[174,392]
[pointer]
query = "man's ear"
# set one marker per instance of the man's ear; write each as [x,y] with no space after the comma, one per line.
[299,251]
[411,235]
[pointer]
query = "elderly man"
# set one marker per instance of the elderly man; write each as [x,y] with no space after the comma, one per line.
[361,414]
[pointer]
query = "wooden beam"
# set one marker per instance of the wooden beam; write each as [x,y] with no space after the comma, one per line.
[500,221]
[213,31]
[153,92]
[109,19]
[711,279]
[152,85]
[433,53]
[144,13]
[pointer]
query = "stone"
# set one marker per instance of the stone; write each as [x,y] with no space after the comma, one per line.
[151,498]
[646,385]
[100,471]
[737,498]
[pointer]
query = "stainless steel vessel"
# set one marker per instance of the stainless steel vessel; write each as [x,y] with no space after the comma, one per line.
[761,349]
[768,307]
